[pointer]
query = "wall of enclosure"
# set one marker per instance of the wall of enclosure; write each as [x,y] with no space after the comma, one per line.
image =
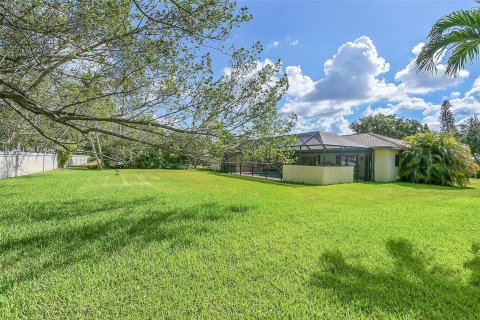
[359,159]
[248,168]
[318,175]
[15,164]
[77,160]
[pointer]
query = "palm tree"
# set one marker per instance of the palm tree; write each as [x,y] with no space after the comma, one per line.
[456,35]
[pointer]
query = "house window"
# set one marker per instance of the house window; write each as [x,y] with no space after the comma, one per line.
[397,160]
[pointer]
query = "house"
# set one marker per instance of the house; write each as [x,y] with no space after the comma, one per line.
[326,158]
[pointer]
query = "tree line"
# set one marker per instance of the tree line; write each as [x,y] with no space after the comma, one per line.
[393,126]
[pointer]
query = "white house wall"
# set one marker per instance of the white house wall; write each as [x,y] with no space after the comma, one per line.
[384,165]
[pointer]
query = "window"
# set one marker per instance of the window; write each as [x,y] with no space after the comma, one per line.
[397,160]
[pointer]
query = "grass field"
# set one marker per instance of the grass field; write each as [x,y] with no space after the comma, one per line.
[191,244]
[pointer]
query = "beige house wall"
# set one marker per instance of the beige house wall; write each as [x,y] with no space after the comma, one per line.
[384,165]
[317,175]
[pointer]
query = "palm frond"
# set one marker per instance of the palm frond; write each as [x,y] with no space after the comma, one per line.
[463,54]
[457,19]
[456,35]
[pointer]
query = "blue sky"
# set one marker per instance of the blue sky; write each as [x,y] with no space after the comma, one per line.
[346,59]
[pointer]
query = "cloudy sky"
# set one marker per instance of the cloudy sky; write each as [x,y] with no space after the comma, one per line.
[345,59]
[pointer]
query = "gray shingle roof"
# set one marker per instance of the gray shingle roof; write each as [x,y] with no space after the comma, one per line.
[318,138]
[376,141]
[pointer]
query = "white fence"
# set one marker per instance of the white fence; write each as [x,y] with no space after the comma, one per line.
[15,164]
[77,160]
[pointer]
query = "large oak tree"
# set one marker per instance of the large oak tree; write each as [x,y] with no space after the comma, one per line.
[138,70]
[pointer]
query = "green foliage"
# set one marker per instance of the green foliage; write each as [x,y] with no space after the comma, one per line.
[273,150]
[140,71]
[470,135]
[455,35]
[64,156]
[178,244]
[437,158]
[388,125]
[156,159]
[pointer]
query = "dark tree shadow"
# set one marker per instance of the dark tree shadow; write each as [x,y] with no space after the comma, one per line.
[474,265]
[414,285]
[54,210]
[100,235]
[262,180]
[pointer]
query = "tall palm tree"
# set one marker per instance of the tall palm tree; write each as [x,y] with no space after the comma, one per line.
[456,35]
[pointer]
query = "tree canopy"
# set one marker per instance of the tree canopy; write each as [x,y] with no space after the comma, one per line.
[388,125]
[470,135]
[141,71]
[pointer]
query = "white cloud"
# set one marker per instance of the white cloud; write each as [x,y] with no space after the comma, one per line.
[336,123]
[275,44]
[352,74]
[469,104]
[353,77]
[455,94]
[413,81]
[299,84]
[294,43]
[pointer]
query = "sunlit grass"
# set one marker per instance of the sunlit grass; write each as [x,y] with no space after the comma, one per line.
[188,244]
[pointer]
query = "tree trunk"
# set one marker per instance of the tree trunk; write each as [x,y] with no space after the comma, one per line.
[100,153]
[99,162]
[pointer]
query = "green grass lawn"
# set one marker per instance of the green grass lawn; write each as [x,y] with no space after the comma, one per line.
[192,244]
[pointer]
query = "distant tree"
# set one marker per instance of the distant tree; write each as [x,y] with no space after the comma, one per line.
[470,135]
[388,125]
[437,158]
[456,36]
[447,119]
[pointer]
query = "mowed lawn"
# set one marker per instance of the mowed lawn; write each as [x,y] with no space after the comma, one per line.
[192,244]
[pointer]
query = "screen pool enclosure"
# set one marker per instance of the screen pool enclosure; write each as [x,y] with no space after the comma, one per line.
[314,149]
[253,169]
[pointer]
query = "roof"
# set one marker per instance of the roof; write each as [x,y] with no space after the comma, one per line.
[376,141]
[317,139]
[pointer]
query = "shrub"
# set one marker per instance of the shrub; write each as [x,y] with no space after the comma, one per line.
[155,159]
[64,156]
[437,158]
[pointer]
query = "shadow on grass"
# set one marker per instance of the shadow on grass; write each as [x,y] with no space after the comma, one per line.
[413,286]
[54,210]
[98,233]
[262,180]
